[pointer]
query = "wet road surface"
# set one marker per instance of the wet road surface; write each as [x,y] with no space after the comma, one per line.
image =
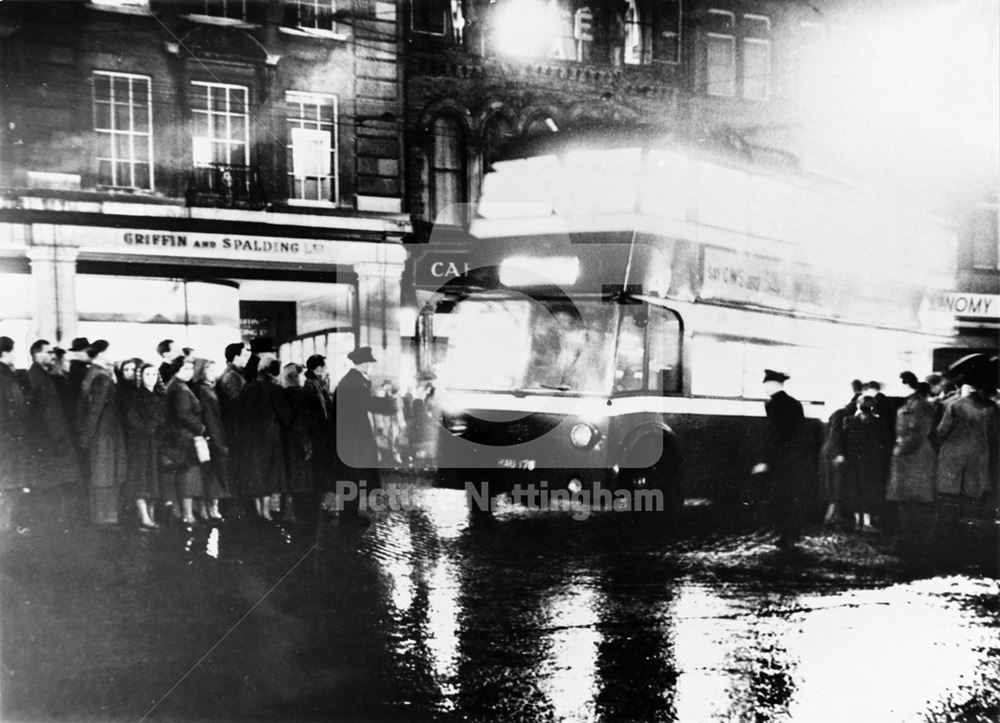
[421,615]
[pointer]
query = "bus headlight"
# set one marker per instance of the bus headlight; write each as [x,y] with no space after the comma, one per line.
[582,435]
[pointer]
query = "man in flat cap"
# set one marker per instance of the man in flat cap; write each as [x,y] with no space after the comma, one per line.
[784,456]
[357,452]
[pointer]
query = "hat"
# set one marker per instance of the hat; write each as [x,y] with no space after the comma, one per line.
[97,347]
[262,345]
[315,361]
[772,376]
[361,355]
[80,344]
[909,379]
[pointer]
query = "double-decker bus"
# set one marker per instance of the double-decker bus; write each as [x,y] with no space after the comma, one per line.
[610,314]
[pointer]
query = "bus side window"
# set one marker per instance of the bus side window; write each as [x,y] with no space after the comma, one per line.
[663,351]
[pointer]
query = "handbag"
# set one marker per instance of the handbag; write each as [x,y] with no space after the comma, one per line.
[201,449]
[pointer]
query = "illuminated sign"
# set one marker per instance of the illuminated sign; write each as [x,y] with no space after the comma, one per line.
[975,306]
[536,271]
[436,268]
[744,278]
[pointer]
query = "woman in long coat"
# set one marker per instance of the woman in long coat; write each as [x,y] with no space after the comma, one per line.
[183,425]
[911,480]
[296,442]
[146,415]
[263,413]
[215,472]
[101,435]
[862,454]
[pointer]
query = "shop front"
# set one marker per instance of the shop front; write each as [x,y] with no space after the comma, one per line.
[139,283]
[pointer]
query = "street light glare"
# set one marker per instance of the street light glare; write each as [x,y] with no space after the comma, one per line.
[523,27]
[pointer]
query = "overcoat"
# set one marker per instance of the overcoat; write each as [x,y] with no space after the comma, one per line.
[101,429]
[296,442]
[786,444]
[913,458]
[263,413]
[863,474]
[968,437]
[145,417]
[183,425]
[216,470]
[319,405]
[51,449]
[13,424]
[356,447]
[832,443]
[229,389]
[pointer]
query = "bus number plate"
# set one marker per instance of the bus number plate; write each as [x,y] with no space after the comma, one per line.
[510,463]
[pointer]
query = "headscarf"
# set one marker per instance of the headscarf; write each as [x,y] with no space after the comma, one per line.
[290,375]
[200,365]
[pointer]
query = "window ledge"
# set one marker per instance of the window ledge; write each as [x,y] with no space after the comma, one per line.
[220,22]
[310,204]
[313,33]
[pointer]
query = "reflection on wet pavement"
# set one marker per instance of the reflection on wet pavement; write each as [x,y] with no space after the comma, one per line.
[530,616]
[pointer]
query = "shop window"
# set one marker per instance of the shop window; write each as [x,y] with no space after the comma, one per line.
[221,124]
[447,169]
[124,126]
[638,36]
[720,48]
[668,45]
[756,57]
[311,14]
[312,147]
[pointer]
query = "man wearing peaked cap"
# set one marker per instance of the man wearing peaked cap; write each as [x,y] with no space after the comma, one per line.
[784,456]
[357,455]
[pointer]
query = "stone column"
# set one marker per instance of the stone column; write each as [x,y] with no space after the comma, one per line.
[379,301]
[53,272]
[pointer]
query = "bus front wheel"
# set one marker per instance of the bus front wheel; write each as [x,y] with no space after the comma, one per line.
[649,473]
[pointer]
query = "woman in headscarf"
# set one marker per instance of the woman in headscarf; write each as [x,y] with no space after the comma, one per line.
[215,472]
[147,413]
[296,443]
[101,435]
[183,425]
[263,413]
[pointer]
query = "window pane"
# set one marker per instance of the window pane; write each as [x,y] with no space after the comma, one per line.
[429,15]
[721,66]
[142,175]
[140,117]
[120,88]
[123,149]
[122,117]
[754,27]
[446,143]
[756,69]
[102,116]
[104,173]
[102,87]
[123,175]
[664,359]
[446,190]
[219,129]
[628,363]
[200,124]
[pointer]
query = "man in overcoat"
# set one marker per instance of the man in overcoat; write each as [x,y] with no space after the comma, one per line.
[784,456]
[357,452]
[13,424]
[228,389]
[51,450]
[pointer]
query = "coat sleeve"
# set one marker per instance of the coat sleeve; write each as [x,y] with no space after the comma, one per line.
[908,428]
[186,412]
[947,422]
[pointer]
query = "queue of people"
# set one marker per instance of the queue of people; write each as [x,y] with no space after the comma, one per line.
[913,463]
[179,438]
